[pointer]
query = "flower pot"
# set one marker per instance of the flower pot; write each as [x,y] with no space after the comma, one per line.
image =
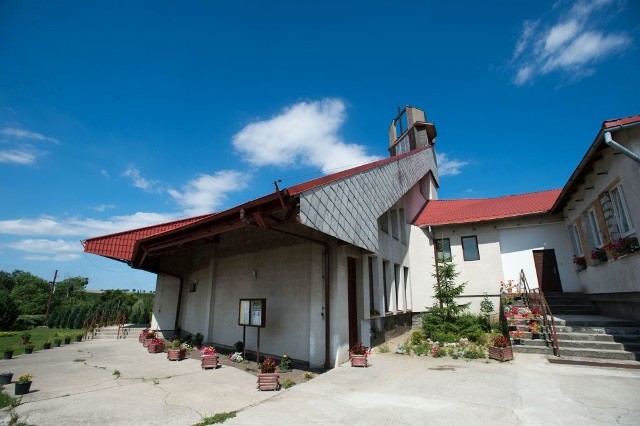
[8,354]
[46,346]
[176,354]
[209,361]
[146,342]
[359,360]
[56,344]
[141,337]
[78,339]
[22,388]
[155,348]
[28,350]
[268,381]
[5,378]
[501,354]
[67,340]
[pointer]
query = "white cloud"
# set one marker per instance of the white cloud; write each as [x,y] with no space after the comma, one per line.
[17,156]
[449,167]
[140,182]
[572,45]
[306,133]
[102,207]
[83,228]
[46,246]
[206,193]
[22,134]
[58,257]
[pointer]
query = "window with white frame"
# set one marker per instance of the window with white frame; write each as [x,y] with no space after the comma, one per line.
[593,230]
[470,248]
[575,240]
[620,211]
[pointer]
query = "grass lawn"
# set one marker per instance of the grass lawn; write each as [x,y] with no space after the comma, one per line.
[38,336]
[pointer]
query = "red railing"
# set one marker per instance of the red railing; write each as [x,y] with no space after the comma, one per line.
[534,299]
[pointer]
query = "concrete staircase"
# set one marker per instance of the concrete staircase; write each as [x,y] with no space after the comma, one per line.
[111,332]
[585,337]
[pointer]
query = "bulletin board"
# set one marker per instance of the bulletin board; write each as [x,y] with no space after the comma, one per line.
[252,312]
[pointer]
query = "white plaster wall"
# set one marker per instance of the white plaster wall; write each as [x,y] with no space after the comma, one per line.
[284,278]
[194,315]
[612,277]
[482,275]
[422,261]
[518,242]
[165,302]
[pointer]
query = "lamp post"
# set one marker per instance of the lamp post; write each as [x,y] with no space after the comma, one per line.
[51,287]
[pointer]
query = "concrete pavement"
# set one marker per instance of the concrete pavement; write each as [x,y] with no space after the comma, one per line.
[75,385]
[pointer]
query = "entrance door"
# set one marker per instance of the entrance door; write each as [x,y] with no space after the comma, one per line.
[353,304]
[547,270]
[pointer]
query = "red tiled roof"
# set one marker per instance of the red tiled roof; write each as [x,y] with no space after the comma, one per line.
[120,246]
[608,124]
[314,183]
[446,212]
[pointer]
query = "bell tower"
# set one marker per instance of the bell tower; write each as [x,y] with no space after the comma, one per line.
[410,130]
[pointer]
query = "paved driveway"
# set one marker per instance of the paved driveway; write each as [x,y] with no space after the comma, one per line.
[75,385]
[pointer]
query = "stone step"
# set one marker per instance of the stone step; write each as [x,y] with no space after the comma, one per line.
[598,353]
[594,362]
[574,310]
[590,344]
[524,349]
[599,337]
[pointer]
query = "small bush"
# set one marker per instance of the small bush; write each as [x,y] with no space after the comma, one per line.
[288,383]
[417,337]
[384,348]
[285,363]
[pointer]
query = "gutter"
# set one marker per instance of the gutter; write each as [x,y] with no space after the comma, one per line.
[617,147]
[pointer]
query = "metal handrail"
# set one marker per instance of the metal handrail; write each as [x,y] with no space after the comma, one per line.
[535,299]
[121,321]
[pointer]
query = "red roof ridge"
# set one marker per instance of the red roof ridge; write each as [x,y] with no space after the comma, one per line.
[615,122]
[323,180]
[173,222]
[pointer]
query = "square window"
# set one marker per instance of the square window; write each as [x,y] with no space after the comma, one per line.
[470,248]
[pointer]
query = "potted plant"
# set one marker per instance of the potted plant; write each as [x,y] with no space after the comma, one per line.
[500,349]
[8,352]
[67,339]
[23,384]
[156,345]
[599,255]
[197,341]
[268,378]
[516,336]
[143,335]
[285,364]
[208,357]
[5,377]
[28,348]
[359,354]
[79,337]
[57,341]
[25,337]
[148,338]
[580,262]
[177,352]
[536,329]
[46,344]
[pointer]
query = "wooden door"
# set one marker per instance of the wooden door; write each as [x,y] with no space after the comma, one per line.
[547,270]
[353,303]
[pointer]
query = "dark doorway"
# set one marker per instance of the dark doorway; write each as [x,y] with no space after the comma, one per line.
[353,303]
[547,270]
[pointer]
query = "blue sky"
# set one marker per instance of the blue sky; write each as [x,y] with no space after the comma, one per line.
[117,115]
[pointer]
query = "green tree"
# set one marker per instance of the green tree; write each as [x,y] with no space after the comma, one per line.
[7,281]
[30,293]
[70,291]
[8,310]
[447,291]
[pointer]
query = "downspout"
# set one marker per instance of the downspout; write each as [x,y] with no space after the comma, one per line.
[621,149]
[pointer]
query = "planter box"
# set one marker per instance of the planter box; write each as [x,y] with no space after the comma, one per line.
[5,378]
[67,340]
[359,361]
[501,354]
[146,342]
[154,348]
[268,381]
[209,361]
[142,337]
[46,346]
[176,354]
[22,388]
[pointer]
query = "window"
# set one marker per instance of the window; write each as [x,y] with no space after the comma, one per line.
[400,123]
[575,240]
[372,306]
[443,247]
[394,224]
[593,230]
[396,277]
[403,227]
[470,248]
[620,211]
[384,283]
[383,223]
